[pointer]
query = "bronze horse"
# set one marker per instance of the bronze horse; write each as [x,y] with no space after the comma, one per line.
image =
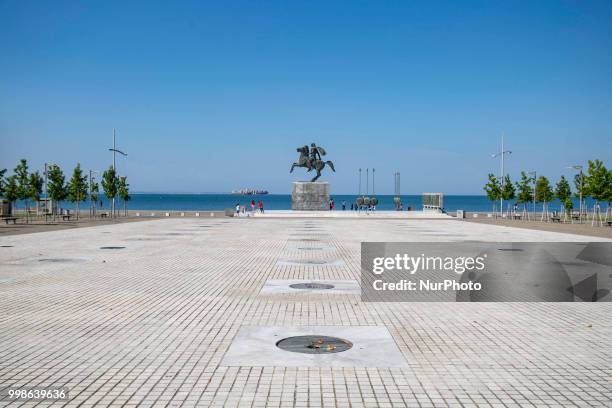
[311,159]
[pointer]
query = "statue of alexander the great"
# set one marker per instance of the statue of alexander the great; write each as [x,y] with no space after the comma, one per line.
[312,159]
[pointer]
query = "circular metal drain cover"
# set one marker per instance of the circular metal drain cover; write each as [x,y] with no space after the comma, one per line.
[112,247]
[310,249]
[510,249]
[6,246]
[311,285]
[305,240]
[314,344]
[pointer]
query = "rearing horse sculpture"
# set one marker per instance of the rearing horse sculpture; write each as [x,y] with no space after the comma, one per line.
[312,159]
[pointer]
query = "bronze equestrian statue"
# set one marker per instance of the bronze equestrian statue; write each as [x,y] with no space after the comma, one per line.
[312,159]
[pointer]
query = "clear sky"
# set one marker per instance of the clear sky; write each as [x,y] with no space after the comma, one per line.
[211,96]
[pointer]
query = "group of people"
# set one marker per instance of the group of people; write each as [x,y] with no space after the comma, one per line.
[243,209]
[354,206]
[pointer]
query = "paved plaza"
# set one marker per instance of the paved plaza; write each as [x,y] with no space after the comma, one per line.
[150,320]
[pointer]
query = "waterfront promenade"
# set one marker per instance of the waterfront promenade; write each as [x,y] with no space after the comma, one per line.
[155,317]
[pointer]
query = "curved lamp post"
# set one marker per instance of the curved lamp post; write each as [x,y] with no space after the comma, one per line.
[502,153]
[115,150]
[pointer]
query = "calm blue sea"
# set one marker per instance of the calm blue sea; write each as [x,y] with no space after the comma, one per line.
[194,202]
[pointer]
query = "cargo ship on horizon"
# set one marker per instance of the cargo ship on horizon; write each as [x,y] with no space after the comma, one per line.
[249,191]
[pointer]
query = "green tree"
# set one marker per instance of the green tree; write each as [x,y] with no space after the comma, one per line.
[493,190]
[544,194]
[36,184]
[56,185]
[568,205]
[563,189]
[595,180]
[124,192]
[2,182]
[77,188]
[563,192]
[508,191]
[608,193]
[11,193]
[525,192]
[110,184]
[23,189]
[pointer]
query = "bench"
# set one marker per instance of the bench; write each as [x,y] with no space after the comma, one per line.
[66,217]
[103,215]
[556,218]
[7,219]
[517,216]
[609,223]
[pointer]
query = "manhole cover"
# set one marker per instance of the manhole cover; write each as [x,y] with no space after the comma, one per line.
[314,344]
[510,249]
[311,285]
[310,249]
[112,247]
[305,240]
[6,246]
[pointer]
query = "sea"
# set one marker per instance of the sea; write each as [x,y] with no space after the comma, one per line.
[214,201]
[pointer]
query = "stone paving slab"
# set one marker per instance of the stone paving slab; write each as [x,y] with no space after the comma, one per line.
[372,346]
[150,324]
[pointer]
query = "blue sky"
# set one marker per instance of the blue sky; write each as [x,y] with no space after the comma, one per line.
[215,96]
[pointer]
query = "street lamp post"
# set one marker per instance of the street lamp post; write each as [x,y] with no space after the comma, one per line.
[92,205]
[115,150]
[502,153]
[579,168]
[373,182]
[47,166]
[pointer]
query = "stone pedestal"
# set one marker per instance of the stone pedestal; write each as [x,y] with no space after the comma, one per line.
[310,196]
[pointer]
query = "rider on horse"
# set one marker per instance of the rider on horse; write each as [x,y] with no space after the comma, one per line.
[314,154]
[312,159]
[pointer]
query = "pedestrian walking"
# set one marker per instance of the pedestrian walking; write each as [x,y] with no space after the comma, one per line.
[237,209]
[253,206]
[261,207]
[343,205]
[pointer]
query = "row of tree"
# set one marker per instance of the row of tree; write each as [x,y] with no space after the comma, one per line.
[28,187]
[596,183]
